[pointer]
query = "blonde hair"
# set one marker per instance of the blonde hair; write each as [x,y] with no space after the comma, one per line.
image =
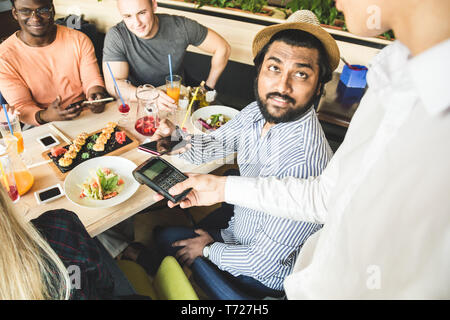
[29,268]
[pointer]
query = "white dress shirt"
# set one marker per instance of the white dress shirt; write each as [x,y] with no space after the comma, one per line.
[385,195]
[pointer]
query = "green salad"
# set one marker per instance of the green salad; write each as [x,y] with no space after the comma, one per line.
[102,184]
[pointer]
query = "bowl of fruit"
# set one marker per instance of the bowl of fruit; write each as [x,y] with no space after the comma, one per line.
[210,118]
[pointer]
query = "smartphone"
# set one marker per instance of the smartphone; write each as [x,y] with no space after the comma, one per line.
[49,194]
[75,104]
[164,145]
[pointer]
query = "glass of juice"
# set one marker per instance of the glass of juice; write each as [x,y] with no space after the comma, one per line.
[173,85]
[124,109]
[147,118]
[15,126]
[7,176]
[22,176]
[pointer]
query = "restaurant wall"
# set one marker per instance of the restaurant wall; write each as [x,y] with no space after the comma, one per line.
[7,23]
[238,29]
[5,5]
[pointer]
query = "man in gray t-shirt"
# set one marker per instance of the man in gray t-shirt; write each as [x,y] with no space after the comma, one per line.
[137,48]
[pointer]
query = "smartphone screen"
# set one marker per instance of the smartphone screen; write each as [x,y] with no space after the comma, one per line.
[48,194]
[75,104]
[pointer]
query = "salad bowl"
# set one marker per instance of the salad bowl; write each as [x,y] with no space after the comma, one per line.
[211,112]
[119,166]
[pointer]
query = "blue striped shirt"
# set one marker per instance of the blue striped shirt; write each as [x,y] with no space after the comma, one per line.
[256,244]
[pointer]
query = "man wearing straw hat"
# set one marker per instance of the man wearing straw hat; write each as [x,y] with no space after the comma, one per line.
[277,135]
[384,196]
[137,48]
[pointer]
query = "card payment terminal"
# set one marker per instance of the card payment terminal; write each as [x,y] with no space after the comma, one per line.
[160,175]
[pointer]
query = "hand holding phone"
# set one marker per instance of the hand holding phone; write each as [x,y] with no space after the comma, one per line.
[56,112]
[76,105]
[97,93]
[167,144]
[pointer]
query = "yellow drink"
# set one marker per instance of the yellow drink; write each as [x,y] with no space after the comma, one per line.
[20,146]
[174,93]
[24,181]
[18,135]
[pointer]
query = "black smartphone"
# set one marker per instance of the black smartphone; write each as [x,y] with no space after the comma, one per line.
[160,175]
[75,104]
[164,145]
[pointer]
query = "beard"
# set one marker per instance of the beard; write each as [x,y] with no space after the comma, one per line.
[291,114]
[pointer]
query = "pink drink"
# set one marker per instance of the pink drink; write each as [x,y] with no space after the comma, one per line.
[13,193]
[124,108]
[146,125]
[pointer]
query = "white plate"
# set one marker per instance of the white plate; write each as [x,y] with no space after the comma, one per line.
[121,166]
[208,111]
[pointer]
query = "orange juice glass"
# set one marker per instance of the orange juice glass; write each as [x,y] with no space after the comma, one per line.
[15,125]
[173,85]
[24,181]
[174,93]
[23,178]
[7,175]
[20,146]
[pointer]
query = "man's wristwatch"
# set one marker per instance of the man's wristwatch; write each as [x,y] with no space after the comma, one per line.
[206,250]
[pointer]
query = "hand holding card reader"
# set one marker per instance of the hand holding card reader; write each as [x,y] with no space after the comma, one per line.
[160,175]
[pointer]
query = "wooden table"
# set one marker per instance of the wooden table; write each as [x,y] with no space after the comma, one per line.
[95,220]
[339,103]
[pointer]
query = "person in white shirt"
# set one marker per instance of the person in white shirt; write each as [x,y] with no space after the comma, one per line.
[384,196]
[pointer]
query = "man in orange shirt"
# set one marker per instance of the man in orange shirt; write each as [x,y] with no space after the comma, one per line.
[46,67]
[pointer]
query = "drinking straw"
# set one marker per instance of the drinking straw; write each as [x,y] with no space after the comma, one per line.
[115,83]
[349,65]
[7,118]
[170,70]
[190,105]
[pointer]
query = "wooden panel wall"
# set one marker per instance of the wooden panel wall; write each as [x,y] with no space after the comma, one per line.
[8,25]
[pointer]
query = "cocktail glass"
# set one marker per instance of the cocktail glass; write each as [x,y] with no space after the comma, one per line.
[124,109]
[7,178]
[16,137]
[173,85]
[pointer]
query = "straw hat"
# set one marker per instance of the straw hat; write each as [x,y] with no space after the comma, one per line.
[306,21]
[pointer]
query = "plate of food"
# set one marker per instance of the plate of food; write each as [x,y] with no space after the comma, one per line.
[111,140]
[210,118]
[101,182]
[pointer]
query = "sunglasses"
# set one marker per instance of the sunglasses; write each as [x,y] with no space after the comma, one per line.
[44,12]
